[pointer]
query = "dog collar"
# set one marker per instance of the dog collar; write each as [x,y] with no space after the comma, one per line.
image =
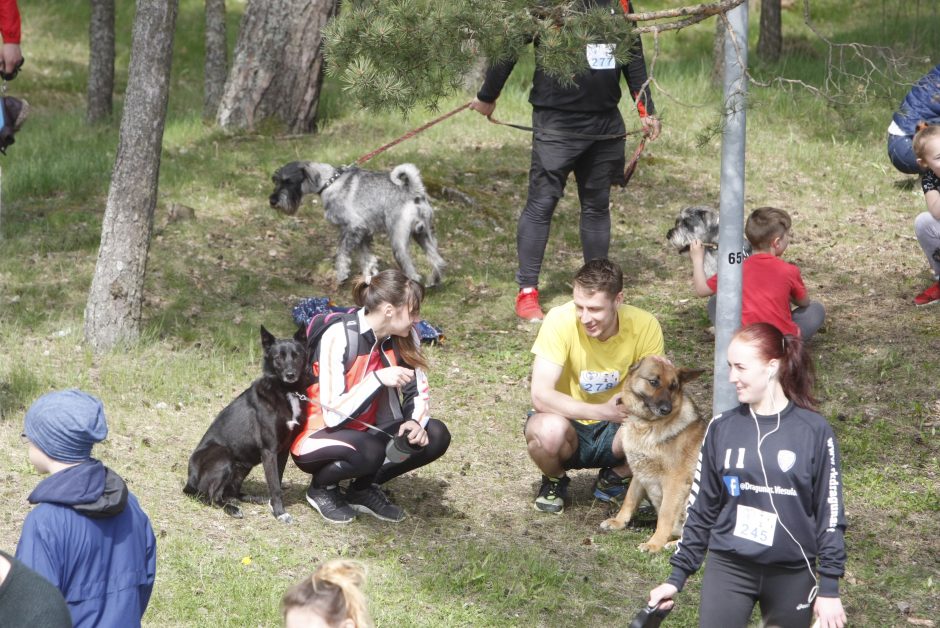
[337,173]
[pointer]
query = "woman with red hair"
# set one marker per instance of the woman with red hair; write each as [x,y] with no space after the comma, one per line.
[766,501]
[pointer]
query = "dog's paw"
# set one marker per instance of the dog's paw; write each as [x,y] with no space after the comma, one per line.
[612,524]
[232,511]
[671,545]
[285,518]
[649,547]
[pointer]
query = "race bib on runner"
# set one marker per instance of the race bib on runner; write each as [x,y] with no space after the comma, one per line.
[601,56]
[755,525]
[597,381]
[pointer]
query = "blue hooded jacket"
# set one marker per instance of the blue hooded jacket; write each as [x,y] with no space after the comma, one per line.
[921,103]
[89,537]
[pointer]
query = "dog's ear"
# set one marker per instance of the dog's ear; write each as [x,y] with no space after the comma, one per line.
[687,375]
[311,176]
[300,335]
[267,338]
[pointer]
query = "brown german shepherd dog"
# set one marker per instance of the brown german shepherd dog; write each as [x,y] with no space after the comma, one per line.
[661,439]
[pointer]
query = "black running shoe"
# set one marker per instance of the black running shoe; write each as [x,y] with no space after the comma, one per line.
[552,494]
[372,501]
[330,504]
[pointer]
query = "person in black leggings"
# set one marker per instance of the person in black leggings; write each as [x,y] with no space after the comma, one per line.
[766,501]
[369,386]
[578,128]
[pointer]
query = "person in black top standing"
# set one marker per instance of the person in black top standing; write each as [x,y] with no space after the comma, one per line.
[766,503]
[588,107]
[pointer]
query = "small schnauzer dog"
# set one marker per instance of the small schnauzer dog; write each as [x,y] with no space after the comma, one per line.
[699,222]
[362,203]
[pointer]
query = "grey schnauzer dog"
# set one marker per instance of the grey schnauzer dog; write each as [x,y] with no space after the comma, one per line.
[362,203]
[699,222]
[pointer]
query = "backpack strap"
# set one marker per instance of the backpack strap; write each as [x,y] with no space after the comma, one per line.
[323,321]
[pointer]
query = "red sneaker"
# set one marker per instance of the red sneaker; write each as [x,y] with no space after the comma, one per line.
[527,305]
[930,295]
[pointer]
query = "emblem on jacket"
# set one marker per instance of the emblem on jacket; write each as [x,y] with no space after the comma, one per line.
[786,459]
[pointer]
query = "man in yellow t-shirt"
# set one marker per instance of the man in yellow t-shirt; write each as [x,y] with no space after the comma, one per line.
[582,354]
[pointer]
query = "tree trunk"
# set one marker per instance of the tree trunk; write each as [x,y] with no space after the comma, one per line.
[100,61]
[770,41]
[216,58]
[718,52]
[112,313]
[278,66]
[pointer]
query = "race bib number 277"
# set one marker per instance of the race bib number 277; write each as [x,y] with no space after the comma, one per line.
[601,56]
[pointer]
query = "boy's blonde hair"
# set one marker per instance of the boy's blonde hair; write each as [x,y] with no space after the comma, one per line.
[766,224]
[925,132]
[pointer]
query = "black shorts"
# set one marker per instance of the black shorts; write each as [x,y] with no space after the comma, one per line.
[595,445]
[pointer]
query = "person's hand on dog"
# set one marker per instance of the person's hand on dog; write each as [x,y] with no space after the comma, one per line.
[652,127]
[662,596]
[829,612]
[394,376]
[417,435]
[613,410]
[697,251]
[11,56]
[485,108]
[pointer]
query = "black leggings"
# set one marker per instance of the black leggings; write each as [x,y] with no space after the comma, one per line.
[731,587]
[351,454]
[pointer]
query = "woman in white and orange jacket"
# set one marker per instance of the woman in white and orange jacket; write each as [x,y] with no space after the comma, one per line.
[369,386]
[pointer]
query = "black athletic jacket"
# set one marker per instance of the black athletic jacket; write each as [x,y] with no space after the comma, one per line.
[594,91]
[804,477]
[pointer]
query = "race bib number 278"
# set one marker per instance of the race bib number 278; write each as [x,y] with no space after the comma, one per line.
[598,381]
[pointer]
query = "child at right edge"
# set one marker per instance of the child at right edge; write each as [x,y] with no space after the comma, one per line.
[770,287]
[927,224]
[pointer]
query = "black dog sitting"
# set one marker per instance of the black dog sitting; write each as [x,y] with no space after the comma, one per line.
[257,427]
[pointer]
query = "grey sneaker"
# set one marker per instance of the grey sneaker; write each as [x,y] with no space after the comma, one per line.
[330,504]
[552,494]
[372,501]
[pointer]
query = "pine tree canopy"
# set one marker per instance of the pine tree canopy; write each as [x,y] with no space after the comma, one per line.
[395,54]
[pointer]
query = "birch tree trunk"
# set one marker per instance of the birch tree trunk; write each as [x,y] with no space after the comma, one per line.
[216,65]
[112,313]
[277,70]
[100,61]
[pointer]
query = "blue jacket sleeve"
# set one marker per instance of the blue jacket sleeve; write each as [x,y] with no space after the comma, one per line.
[830,516]
[34,551]
[702,512]
[147,589]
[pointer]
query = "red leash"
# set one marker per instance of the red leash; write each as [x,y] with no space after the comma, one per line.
[411,133]
[631,165]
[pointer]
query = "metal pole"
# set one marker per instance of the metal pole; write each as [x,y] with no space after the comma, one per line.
[731,210]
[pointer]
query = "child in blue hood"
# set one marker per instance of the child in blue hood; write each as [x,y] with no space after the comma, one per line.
[88,535]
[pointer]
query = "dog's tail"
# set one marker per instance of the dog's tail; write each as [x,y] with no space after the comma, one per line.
[407,176]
